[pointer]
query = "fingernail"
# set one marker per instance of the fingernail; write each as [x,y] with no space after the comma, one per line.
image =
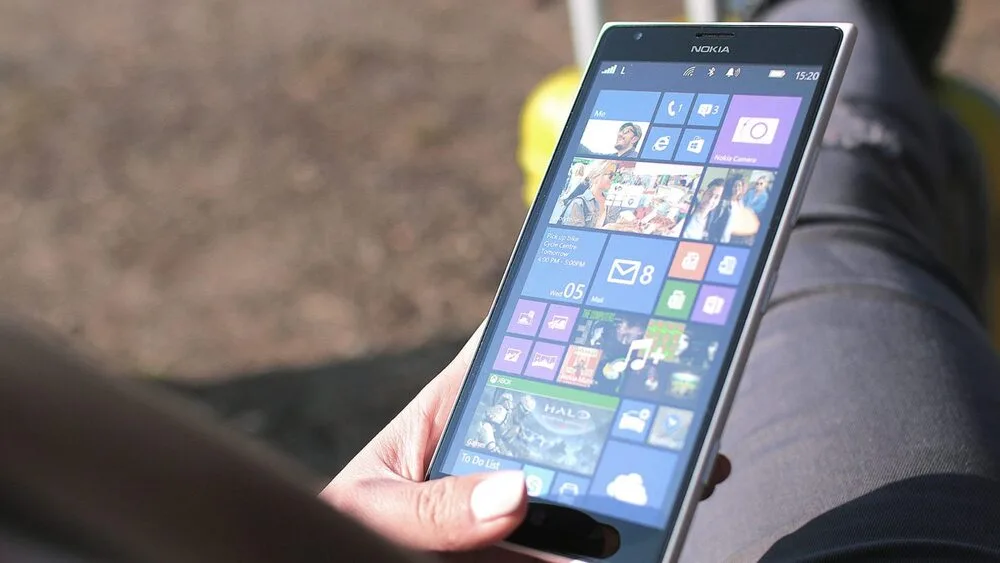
[498,495]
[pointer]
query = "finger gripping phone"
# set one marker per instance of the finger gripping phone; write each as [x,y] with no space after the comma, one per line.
[612,352]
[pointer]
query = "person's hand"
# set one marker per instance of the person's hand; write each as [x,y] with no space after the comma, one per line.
[384,487]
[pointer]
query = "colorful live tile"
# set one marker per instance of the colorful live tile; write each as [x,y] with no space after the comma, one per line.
[667,337]
[713,305]
[648,198]
[691,260]
[613,333]
[663,380]
[699,348]
[676,300]
[580,366]
[612,138]
[576,419]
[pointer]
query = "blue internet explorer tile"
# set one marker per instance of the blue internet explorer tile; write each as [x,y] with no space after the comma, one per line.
[674,108]
[695,145]
[661,143]
[708,109]
[624,105]
[469,462]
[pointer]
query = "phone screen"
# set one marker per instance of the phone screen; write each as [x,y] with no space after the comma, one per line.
[605,353]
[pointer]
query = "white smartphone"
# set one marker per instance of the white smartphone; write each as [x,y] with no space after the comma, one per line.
[612,352]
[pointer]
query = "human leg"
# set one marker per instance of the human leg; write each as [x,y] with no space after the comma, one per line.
[872,386]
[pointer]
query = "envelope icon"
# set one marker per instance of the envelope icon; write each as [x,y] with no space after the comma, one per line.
[624,271]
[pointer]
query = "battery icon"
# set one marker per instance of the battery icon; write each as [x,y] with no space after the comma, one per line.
[776,73]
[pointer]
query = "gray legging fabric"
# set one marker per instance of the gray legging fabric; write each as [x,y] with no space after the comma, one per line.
[867,426]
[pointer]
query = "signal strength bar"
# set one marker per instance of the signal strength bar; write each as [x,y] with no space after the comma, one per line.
[610,70]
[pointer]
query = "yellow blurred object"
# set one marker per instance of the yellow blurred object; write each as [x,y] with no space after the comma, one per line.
[979,111]
[542,121]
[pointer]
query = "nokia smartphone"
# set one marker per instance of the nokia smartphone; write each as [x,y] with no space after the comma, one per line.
[612,352]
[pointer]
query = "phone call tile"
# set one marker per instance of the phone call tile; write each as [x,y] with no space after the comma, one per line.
[563,265]
[674,108]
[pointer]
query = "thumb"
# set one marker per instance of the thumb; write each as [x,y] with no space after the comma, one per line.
[447,514]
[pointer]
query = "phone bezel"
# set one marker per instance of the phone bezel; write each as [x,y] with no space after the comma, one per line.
[825,45]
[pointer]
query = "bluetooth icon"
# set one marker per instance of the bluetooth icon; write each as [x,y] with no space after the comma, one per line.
[711,72]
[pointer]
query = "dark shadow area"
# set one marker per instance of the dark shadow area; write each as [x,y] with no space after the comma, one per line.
[940,517]
[322,415]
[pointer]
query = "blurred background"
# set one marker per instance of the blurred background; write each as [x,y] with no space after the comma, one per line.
[270,206]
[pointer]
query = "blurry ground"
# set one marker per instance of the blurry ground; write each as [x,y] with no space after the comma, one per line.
[200,187]
[207,188]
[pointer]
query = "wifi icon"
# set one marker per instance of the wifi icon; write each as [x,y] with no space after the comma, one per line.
[690,71]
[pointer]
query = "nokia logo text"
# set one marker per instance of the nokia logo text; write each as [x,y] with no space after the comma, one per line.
[710,48]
